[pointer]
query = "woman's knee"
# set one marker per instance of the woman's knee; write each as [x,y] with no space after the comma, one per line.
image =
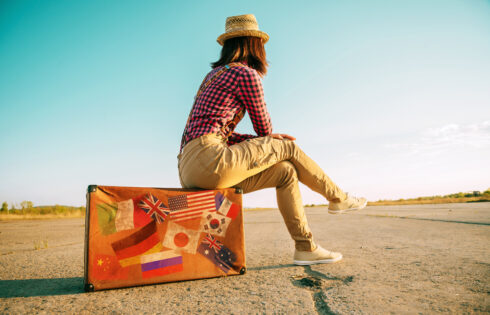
[286,171]
[286,149]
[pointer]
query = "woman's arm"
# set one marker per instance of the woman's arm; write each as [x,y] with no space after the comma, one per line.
[238,137]
[282,136]
[251,94]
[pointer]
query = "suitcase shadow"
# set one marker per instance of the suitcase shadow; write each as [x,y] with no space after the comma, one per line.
[40,287]
[272,267]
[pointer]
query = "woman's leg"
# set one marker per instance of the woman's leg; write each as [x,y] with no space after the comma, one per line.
[253,156]
[283,177]
[207,162]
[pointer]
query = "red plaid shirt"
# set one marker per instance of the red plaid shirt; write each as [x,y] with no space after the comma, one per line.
[235,89]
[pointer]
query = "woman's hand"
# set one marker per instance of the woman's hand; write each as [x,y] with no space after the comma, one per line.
[282,136]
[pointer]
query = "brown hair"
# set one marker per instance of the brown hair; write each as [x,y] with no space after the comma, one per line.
[247,49]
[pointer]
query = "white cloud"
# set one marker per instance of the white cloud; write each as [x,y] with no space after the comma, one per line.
[475,135]
[434,141]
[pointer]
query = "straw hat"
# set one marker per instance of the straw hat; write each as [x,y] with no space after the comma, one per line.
[242,25]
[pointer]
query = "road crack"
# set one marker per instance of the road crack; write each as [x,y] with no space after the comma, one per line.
[317,283]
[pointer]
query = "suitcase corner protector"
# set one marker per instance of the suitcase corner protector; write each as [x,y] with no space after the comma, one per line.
[89,287]
[243,270]
[91,188]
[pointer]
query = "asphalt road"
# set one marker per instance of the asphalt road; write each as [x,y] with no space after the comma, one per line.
[397,259]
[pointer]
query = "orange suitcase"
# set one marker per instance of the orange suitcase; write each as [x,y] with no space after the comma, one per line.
[137,236]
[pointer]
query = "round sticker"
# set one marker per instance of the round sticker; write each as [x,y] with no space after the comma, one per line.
[214,223]
[181,239]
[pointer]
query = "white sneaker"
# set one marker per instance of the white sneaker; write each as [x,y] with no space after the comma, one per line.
[350,204]
[319,256]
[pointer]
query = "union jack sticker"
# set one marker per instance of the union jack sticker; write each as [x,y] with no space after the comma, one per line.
[212,242]
[154,208]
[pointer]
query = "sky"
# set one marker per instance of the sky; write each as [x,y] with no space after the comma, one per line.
[390,98]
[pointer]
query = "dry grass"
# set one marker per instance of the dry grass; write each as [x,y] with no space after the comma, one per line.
[426,201]
[40,244]
[258,209]
[14,217]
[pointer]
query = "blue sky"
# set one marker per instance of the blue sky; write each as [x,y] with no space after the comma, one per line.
[391,98]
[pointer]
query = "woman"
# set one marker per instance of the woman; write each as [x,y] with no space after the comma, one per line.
[213,156]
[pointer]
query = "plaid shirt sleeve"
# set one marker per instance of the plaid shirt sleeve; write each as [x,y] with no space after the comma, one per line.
[238,137]
[251,95]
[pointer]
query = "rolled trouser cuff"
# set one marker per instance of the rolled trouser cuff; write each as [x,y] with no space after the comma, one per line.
[306,243]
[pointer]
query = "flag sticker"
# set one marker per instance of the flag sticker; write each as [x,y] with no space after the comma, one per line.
[217,253]
[144,241]
[212,243]
[225,206]
[180,238]
[106,214]
[161,263]
[191,206]
[124,215]
[120,216]
[106,267]
[154,208]
[215,223]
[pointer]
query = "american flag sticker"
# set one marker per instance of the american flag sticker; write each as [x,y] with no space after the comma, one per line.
[191,206]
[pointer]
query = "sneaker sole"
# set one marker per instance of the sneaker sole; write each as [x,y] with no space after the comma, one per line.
[314,262]
[347,210]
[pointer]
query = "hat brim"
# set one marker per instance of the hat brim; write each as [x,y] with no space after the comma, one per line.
[255,33]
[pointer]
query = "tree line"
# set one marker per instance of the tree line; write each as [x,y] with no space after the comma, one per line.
[27,207]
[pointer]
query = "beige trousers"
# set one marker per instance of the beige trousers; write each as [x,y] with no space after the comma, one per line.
[208,162]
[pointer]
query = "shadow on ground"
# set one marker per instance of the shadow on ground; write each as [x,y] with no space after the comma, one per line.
[40,287]
[271,267]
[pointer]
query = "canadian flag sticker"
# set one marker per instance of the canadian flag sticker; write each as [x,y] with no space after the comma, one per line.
[215,223]
[179,238]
